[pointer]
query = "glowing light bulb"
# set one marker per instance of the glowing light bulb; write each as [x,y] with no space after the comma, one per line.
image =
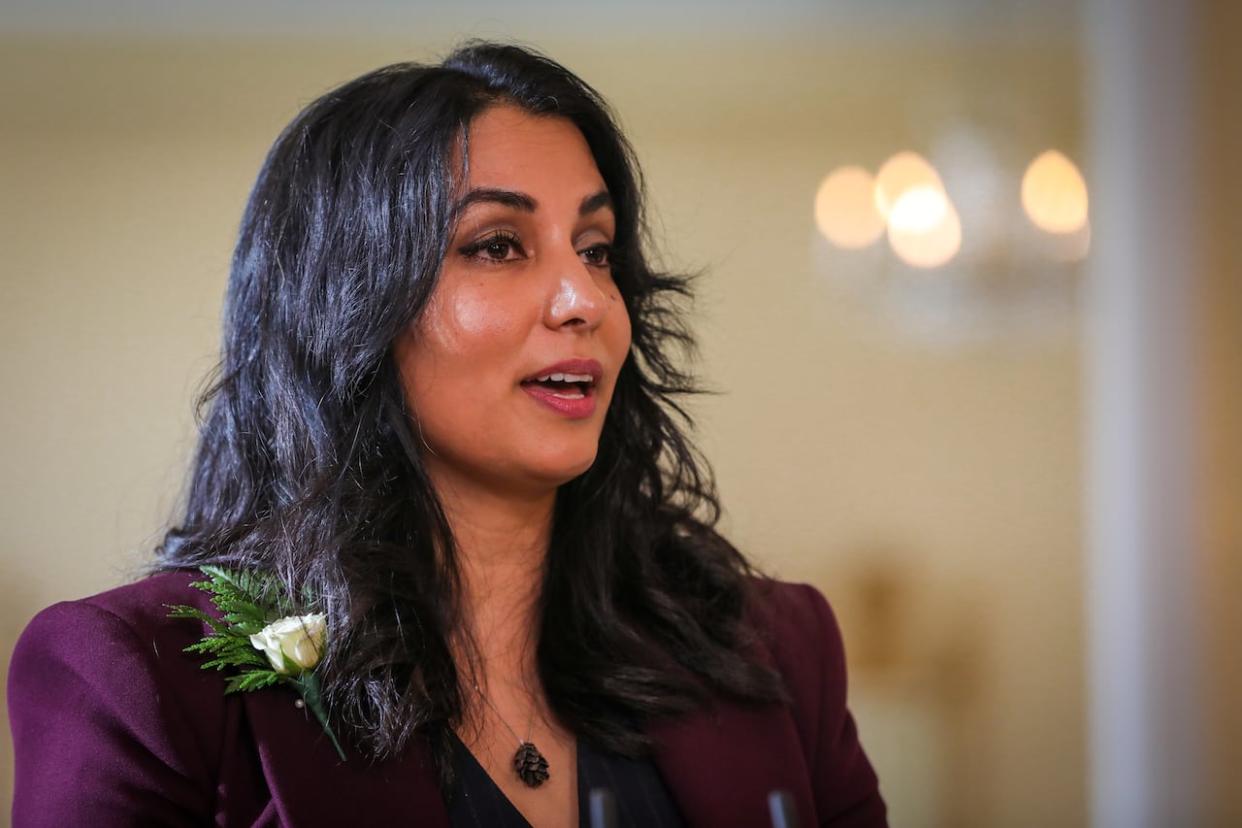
[1054,194]
[924,228]
[918,210]
[845,208]
[904,171]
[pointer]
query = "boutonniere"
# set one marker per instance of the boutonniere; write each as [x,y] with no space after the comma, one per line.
[261,636]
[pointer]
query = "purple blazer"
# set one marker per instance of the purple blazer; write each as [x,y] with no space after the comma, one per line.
[114,725]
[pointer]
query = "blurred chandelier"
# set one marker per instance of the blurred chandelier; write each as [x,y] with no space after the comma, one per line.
[978,253]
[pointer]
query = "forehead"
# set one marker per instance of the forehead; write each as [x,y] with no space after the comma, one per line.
[507,146]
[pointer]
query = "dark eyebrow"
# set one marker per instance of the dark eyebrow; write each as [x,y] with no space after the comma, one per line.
[523,202]
[509,198]
[594,202]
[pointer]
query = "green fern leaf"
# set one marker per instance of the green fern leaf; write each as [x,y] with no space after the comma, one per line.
[252,680]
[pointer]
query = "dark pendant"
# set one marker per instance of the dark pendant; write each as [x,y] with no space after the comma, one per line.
[530,765]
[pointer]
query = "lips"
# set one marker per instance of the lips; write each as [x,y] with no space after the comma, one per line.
[566,387]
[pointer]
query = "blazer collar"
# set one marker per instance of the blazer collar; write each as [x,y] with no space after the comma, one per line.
[310,785]
[720,764]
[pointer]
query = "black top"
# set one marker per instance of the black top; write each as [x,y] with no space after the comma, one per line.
[642,799]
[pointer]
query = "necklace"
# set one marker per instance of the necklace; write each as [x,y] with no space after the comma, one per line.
[528,763]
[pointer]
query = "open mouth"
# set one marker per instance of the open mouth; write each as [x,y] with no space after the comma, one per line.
[563,386]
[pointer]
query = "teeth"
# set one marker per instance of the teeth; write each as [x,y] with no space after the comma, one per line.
[564,378]
[568,395]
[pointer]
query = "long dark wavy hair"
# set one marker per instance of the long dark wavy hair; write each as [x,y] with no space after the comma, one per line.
[307,466]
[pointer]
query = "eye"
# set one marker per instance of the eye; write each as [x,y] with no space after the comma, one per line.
[598,255]
[494,247]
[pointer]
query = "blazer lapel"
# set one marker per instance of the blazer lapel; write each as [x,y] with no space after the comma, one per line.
[310,785]
[722,762]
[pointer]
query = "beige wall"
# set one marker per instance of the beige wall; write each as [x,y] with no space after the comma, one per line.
[848,454]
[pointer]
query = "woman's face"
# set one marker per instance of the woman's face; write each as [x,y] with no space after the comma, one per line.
[509,370]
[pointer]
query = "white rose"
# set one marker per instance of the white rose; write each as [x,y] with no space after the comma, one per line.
[296,640]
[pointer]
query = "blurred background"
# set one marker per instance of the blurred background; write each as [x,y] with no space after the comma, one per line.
[972,301]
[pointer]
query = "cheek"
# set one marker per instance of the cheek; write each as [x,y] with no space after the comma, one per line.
[462,322]
[458,360]
[619,342]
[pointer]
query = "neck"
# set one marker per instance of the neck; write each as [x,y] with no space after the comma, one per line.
[502,544]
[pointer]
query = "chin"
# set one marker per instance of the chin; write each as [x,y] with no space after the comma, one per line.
[564,467]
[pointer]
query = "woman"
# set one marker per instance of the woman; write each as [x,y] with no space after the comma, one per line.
[444,420]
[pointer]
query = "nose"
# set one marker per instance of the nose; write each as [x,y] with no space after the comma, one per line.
[579,298]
